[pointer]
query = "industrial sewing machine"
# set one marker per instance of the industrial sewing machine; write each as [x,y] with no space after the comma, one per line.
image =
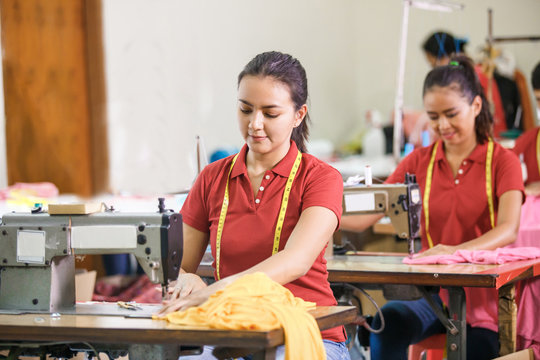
[402,203]
[37,252]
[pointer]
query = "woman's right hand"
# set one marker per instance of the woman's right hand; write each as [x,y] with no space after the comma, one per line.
[185,285]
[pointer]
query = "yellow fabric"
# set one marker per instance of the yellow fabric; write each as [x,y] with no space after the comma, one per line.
[256,302]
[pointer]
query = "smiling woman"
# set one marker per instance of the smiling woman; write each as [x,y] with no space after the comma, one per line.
[270,208]
[472,194]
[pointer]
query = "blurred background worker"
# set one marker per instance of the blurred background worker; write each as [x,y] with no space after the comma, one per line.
[459,210]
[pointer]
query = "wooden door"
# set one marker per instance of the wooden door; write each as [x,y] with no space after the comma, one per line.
[55,93]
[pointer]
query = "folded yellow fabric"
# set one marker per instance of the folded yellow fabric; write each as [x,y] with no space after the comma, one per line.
[256,302]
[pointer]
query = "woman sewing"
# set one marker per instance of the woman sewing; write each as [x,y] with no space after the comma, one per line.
[472,194]
[272,207]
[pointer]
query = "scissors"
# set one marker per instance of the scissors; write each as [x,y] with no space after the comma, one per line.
[132,305]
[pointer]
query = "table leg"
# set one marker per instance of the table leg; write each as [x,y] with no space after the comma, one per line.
[153,352]
[266,354]
[507,319]
[456,344]
[234,353]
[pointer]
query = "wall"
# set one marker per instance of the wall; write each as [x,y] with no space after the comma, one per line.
[172,64]
[172,68]
[172,71]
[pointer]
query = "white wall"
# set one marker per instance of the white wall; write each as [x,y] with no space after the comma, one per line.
[172,65]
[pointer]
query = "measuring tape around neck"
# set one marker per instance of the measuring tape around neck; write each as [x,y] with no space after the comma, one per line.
[281,215]
[489,188]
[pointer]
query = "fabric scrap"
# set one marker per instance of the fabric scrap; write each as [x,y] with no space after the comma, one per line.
[497,256]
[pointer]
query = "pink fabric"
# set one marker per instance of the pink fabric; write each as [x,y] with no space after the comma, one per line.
[42,189]
[498,256]
[528,330]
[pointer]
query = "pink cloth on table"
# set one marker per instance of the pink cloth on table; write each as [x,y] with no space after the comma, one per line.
[498,256]
[480,315]
[41,189]
[481,312]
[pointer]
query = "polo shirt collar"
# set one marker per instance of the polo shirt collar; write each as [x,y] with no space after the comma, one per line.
[283,168]
[477,155]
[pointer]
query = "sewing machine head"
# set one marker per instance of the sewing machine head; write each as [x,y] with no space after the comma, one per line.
[37,265]
[400,202]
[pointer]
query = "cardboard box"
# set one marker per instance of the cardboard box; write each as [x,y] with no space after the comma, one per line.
[80,209]
[85,281]
[526,354]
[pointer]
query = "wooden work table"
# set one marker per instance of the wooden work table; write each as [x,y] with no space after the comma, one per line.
[144,336]
[388,269]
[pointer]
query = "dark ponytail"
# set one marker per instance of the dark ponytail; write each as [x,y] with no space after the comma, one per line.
[535,77]
[460,75]
[288,70]
[442,44]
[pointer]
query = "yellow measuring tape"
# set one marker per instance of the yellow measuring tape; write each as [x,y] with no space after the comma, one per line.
[489,189]
[489,183]
[281,216]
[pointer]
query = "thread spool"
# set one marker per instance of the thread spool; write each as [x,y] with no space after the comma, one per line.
[368,176]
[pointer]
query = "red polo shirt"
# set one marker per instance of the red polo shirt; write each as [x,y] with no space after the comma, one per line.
[526,145]
[458,207]
[248,233]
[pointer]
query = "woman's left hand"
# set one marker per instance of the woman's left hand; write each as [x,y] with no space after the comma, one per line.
[438,249]
[194,299]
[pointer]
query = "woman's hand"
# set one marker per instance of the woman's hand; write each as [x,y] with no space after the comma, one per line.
[195,298]
[438,249]
[186,284]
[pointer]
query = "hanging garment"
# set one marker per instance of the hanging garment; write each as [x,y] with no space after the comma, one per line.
[494,99]
[511,101]
[526,105]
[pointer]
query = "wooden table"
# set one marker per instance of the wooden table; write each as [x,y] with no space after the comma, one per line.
[376,269]
[384,268]
[151,339]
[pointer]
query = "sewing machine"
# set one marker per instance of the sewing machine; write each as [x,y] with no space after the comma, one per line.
[402,203]
[37,252]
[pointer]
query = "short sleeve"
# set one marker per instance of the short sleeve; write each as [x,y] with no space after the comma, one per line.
[324,188]
[407,165]
[507,172]
[524,141]
[195,211]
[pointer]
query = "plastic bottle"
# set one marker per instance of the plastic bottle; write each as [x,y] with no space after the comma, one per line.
[374,140]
